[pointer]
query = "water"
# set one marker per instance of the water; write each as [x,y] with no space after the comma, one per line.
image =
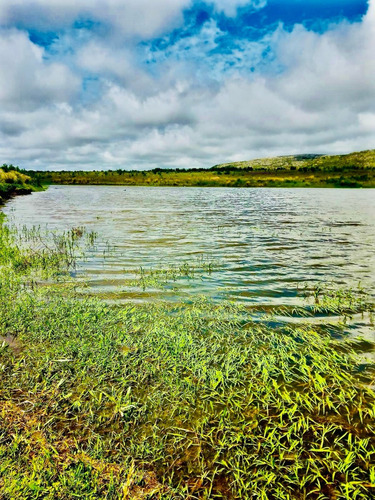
[270,242]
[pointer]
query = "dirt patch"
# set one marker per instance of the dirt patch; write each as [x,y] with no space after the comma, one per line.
[11,342]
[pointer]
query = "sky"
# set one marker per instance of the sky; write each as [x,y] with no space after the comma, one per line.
[139,84]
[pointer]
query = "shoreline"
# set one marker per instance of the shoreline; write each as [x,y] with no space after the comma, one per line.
[227,182]
[182,402]
[354,170]
[8,195]
[171,401]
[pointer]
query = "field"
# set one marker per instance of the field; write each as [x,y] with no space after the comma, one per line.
[158,401]
[352,170]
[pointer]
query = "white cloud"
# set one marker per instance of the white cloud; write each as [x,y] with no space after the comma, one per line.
[130,17]
[201,56]
[330,70]
[118,64]
[27,80]
[229,7]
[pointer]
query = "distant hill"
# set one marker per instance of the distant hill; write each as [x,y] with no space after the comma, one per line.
[361,160]
[306,170]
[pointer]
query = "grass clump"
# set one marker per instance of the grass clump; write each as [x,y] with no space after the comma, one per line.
[165,401]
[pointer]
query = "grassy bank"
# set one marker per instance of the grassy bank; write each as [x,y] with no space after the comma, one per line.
[353,170]
[162,401]
[13,182]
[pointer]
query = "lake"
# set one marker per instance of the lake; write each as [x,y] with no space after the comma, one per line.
[265,243]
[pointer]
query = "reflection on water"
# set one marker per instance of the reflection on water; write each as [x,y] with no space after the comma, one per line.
[269,241]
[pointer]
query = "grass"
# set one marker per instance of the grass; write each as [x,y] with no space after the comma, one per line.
[346,171]
[172,401]
[362,160]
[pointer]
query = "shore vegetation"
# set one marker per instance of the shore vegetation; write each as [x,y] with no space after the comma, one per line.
[190,400]
[13,181]
[346,171]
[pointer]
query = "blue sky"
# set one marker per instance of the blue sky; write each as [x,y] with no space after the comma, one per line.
[182,83]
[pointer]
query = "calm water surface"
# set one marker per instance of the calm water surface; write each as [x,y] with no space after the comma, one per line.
[270,242]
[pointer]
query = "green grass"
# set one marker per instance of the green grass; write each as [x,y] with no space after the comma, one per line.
[362,160]
[172,401]
[347,171]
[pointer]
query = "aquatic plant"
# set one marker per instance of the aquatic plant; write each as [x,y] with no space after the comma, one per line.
[167,401]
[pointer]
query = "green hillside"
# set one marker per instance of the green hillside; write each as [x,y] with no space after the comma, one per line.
[357,160]
[351,171]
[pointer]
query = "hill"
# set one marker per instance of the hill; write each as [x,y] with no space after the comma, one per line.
[352,170]
[358,160]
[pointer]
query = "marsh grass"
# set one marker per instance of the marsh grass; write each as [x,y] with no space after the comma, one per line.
[171,274]
[173,401]
[29,251]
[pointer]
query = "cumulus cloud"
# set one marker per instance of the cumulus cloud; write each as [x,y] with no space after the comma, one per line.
[333,70]
[186,101]
[27,79]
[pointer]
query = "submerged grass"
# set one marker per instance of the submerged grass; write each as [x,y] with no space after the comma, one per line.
[170,275]
[161,401]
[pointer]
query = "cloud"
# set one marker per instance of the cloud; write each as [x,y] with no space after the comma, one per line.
[130,17]
[192,100]
[333,70]
[211,57]
[28,81]
[229,7]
